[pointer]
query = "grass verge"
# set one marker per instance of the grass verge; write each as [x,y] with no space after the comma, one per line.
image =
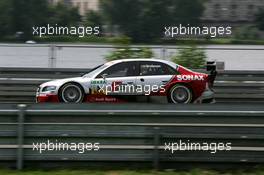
[128,172]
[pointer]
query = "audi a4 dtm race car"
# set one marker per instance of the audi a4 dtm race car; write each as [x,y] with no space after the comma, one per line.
[136,80]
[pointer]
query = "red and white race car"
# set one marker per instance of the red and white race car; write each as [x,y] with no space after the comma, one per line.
[133,80]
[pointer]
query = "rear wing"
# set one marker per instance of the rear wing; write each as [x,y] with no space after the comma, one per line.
[211,66]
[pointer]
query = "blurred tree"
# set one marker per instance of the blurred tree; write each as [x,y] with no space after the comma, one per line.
[27,14]
[5,18]
[145,20]
[186,11]
[64,15]
[246,32]
[19,16]
[125,13]
[93,18]
[128,53]
[154,17]
[259,19]
[191,57]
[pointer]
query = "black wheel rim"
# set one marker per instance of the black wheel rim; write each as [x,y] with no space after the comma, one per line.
[180,95]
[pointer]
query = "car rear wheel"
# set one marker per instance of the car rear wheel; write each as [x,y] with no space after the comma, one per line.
[180,94]
[71,93]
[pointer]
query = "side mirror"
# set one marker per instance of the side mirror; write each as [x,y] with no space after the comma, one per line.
[104,76]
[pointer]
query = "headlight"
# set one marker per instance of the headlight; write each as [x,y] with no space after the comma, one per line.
[49,88]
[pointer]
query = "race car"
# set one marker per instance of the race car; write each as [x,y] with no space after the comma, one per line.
[135,80]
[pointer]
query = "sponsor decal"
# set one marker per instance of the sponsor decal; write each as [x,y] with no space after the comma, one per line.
[97,87]
[97,82]
[190,77]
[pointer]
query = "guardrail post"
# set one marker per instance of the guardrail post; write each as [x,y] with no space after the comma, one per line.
[20,136]
[156,148]
[163,53]
[52,56]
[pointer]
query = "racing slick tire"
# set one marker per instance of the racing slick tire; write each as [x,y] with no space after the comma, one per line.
[180,94]
[71,93]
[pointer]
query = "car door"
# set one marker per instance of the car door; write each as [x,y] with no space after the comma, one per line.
[153,76]
[119,79]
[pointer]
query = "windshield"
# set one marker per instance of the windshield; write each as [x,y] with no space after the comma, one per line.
[95,71]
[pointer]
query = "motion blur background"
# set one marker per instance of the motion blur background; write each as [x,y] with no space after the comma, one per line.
[131,133]
[129,23]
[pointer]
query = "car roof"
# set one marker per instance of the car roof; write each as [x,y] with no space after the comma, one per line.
[141,59]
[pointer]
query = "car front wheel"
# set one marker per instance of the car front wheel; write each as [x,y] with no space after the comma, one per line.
[71,93]
[180,94]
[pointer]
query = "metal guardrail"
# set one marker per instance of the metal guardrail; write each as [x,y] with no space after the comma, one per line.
[131,133]
[20,84]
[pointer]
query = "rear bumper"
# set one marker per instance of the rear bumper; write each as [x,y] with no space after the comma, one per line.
[209,100]
[206,97]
